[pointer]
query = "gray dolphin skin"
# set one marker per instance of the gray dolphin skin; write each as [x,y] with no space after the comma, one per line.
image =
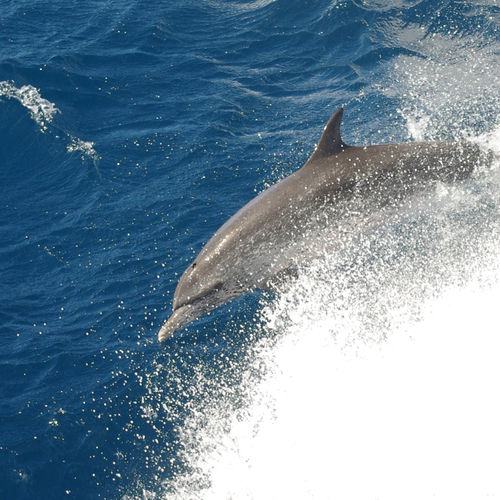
[340,192]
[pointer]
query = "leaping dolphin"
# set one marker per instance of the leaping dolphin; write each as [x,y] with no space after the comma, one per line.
[341,189]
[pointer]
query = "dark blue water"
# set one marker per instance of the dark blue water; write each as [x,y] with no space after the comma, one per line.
[129,132]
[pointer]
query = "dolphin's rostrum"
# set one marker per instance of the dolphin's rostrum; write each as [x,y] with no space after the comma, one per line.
[340,192]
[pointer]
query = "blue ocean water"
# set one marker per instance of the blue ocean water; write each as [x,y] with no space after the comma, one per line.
[130,131]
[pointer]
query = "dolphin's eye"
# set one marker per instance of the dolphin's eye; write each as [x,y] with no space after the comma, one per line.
[193,265]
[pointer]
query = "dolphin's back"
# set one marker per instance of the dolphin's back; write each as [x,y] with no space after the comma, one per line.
[340,192]
[279,228]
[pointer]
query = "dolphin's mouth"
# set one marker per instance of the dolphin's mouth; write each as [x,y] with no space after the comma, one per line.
[190,311]
[180,317]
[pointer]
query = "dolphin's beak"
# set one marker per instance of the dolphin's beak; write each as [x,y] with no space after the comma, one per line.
[181,316]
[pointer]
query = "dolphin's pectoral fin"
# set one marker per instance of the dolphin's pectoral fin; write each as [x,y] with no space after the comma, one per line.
[276,282]
[330,143]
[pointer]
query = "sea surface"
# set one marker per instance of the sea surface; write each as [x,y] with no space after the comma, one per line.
[129,132]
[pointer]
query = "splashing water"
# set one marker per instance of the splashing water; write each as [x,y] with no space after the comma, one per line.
[377,373]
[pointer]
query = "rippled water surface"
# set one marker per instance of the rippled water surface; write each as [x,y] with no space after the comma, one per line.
[130,131]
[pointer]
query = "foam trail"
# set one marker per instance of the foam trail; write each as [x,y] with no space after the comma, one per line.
[41,110]
[86,147]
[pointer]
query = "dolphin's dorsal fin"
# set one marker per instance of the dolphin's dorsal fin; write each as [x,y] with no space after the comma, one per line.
[330,143]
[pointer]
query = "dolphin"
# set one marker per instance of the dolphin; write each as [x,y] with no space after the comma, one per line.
[340,192]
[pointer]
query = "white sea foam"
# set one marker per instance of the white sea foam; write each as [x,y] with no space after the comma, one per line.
[41,110]
[86,147]
[414,417]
